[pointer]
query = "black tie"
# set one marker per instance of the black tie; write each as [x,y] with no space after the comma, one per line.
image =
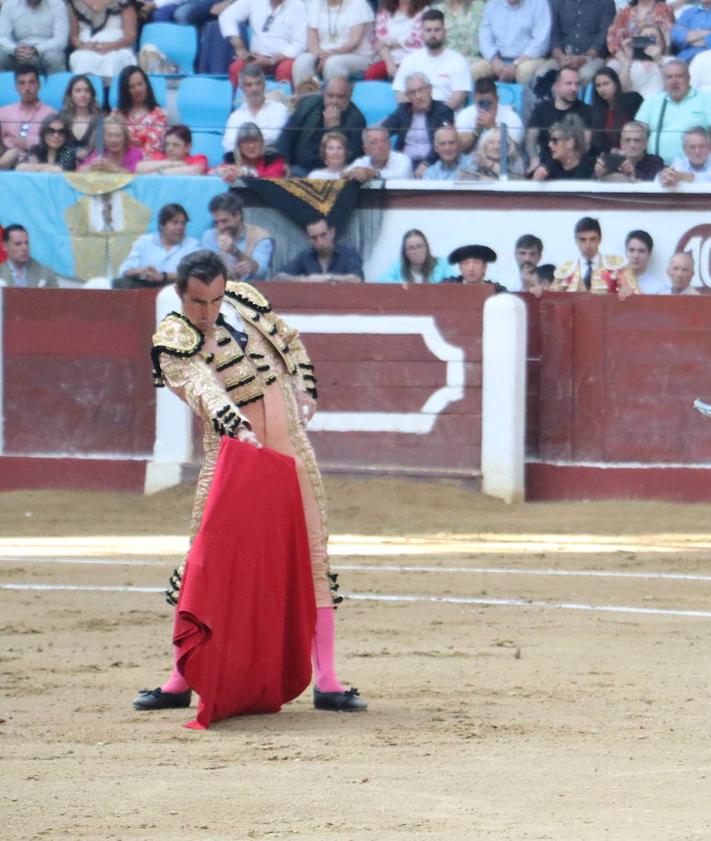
[587,277]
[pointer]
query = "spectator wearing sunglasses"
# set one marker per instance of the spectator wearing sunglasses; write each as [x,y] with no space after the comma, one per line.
[21,120]
[54,152]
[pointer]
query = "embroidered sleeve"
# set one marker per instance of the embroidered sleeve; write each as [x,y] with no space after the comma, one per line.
[304,376]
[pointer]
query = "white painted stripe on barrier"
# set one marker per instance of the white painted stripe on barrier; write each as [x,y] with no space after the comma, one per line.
[399,568]
[378,597]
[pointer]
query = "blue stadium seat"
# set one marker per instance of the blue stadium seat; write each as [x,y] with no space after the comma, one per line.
[179,43]
[8,94]
[375,99]
[204,103]
[158,83]
[208,143]
[510,93]
[54,86]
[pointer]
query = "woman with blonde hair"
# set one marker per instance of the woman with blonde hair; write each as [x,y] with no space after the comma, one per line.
[334,154]
[118,154]
[570,159]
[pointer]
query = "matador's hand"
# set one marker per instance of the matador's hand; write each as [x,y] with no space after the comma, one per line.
[307,407]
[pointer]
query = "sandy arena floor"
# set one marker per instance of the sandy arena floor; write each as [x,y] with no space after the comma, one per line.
[548,677]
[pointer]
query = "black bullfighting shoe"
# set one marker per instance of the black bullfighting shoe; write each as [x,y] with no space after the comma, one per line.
[348,701]
[156,699]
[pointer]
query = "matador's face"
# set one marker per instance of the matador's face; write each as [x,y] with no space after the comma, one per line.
[202,301]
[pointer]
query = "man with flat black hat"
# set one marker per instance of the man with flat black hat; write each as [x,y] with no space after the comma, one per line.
[473,262]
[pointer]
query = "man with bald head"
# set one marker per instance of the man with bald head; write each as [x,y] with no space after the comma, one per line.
[415,121]
[681,272]
[300,139]
[670,113]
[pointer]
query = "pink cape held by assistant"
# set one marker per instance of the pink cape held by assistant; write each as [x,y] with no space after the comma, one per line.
[246,613]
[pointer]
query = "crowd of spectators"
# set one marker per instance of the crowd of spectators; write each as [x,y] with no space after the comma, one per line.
[608,63]
[603,92]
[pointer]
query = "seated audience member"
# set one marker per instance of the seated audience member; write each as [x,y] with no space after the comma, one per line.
[245,249]
[449,156]
[513,39]
[564,102]
[300,140]
[447,71]
[694,166]
[611,109]
[540,279]
[20,269]
[53,153]
[579,36]
[570,159]
[102,34]
[641,68]
[338,41]
[591,271]
[334,155]
[268,114]
[175,159]
[528,252]
[681,272]
[325,259]
[118,154]
[691,34]
[415,122]
[486,113]
[462,20]
[34,32]
[185,12]
[379,161]
[634,163]
[417,264]
[397,32]
[137,104]
[277,35]
[473,262]
[487,162]
[153,259]
[250,158]
[20,121]
[669,114]
[81,111]
[638,251]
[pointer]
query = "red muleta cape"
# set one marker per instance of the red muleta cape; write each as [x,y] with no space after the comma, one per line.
[246,613]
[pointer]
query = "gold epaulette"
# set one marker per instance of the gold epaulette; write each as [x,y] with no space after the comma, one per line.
[564,270]
[176,336]
[248,295]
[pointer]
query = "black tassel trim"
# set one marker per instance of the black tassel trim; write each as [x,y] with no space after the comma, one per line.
[247,301]
[229,364]
[250,379]
[308,377]
[256,356]
[271,379]
[272,329]
[251,400]
[334,587]
[313,392]
[173,591]
[305,367]
[263,368]
[223,341]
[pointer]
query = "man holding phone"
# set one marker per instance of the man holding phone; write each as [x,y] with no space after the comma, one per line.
[487,112]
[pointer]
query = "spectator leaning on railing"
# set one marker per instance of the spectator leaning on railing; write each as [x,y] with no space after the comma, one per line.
[638,251]
[681,272]
[633,163]
[694,166]
[380,161]
[449,156]
[569,156]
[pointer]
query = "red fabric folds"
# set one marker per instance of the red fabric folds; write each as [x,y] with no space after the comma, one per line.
[246,612]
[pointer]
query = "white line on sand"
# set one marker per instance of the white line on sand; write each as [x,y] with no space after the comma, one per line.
[399,568]
[377,597]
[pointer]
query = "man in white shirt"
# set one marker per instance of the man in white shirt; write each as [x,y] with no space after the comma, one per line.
[379,161]
[638,250]
[513,39]
[34,32]
[694,166]
[269,115]
[487,112]
[681,271]
[447,70]
[278,35]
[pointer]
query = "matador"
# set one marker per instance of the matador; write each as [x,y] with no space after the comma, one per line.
[245,373]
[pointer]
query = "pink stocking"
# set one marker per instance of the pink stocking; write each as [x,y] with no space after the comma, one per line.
[323,650]
[176,682]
